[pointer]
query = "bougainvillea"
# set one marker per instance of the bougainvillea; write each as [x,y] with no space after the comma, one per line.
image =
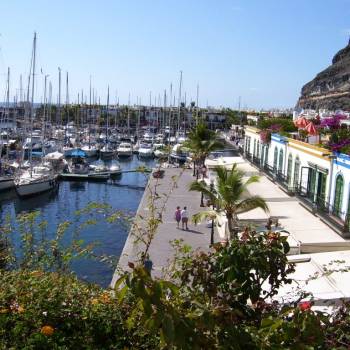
[332,122]
[265,136]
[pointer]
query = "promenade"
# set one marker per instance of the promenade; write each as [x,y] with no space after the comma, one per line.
[198,237]
[312,233]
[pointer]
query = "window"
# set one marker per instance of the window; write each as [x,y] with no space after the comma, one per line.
[289,169]
[321,189]
[275,159]
[338,195]
[311,183]
[258,150]
[280,162]
[266,154]
[254,149]
[348,216]
[296,171]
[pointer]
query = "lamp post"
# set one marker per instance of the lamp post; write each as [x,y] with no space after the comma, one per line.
[212,220]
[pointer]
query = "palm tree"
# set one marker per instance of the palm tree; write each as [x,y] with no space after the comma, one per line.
[229,196]
[201,141]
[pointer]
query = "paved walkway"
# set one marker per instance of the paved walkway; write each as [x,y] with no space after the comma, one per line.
[314,234]
[161,250]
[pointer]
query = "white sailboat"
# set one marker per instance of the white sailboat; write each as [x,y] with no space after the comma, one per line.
[36,179]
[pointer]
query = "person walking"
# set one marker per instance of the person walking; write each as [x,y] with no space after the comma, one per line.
[178,216]
[184,218]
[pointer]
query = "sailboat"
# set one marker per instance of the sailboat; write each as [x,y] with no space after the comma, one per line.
[6,175]
[107,152]
[36,179]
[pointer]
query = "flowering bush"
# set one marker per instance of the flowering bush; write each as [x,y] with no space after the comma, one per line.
[340,141]
[49,310]
[332,122]
[265,136]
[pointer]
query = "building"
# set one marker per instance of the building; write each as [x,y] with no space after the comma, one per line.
[319,178]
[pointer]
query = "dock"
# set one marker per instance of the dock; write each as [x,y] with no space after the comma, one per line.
[85,177]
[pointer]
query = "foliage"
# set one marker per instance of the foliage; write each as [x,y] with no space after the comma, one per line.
[332,122]
[282,124]
[229,196]
[340,141]
[201,141]
[265,136]
[215,299]
[234,117]
[42,310]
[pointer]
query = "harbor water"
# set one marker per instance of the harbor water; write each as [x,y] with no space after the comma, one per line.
[121,194]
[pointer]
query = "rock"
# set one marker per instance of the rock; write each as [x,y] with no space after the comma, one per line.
[330,89]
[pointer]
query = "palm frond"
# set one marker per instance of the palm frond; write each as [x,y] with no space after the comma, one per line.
[204,215]
[252,179]
[251,203]
[201,186]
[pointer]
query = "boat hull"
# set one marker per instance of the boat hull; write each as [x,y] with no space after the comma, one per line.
[36,187]
[6,183]
[145,154]
[125,154]
[106,154]
[90,152]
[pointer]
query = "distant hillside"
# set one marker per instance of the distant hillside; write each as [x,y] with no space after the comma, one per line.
[330,89]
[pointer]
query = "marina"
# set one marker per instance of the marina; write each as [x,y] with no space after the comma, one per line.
[175,175]
[122,193]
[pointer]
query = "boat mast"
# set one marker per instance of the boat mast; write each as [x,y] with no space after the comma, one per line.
[197,109]
[44,112]
[50,103]
[107,123]
[7,111]
[128,120]
[32,107]
[59,98]
[89,120]
[170,110]
[179,103]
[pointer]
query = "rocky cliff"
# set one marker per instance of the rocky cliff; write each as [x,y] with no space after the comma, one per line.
[330,89]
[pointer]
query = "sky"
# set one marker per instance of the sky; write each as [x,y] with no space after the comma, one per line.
[261,52]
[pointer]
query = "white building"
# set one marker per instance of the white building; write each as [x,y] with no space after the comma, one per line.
[318,177]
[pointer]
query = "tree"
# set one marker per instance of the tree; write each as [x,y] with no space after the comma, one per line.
[201,141]
[230,196]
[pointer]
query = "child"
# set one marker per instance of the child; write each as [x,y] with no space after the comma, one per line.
[178,216]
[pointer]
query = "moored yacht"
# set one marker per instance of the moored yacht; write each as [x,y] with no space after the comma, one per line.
[145,150]
[125,149]
[107,152]
[90,150]
[35,180]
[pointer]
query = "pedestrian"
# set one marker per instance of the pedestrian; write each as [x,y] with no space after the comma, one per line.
[204,172]
[184,218]
[178,216]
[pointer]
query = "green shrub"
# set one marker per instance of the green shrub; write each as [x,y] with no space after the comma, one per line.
[284,124]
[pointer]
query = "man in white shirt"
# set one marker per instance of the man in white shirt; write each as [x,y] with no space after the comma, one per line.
[184,218]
